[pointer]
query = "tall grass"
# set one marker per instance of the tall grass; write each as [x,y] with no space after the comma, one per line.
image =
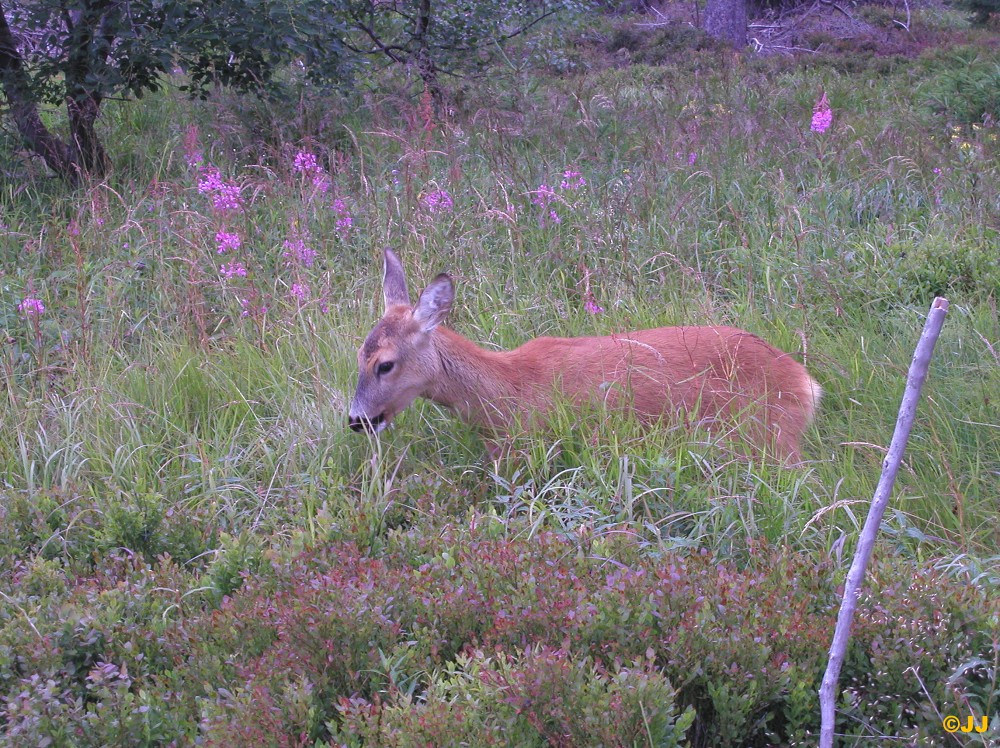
[707,200]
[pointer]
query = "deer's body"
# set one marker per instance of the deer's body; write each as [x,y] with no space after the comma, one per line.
[720,376]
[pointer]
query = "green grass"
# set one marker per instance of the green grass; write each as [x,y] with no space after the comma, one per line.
[151,429]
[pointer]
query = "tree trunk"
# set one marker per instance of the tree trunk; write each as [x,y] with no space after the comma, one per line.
[56,154]
[426,67]
[83,101]
[726,20]
[83,113]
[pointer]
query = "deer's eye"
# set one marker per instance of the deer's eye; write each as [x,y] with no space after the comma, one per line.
[385,367]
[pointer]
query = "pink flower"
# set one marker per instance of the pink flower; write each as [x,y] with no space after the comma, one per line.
[249,310]
[192,150]
[225,196]
[822,115]
[543,195]
[232,270]
[692,157]
[592,307]
[306,162]
[438,201]
[227,242]
[298,251]
[344,219]
[31,307]
[572,180]
[300,291]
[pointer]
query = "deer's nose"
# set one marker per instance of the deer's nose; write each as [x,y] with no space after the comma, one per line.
[361,423]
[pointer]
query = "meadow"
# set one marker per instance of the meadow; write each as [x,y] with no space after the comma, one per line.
[194,549]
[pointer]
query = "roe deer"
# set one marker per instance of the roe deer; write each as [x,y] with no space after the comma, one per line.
[715,375]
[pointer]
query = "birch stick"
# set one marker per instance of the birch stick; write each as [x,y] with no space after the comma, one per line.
[866,542]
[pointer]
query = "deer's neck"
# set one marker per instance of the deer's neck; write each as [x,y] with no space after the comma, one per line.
[486,388]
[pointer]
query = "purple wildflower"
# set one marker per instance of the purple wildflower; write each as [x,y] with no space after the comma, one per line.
[572,180]
[692,157]
[232,270]
[592,306]
[344,219]
[225,196]
[306,162]
[438,201]
[543,196]
[298,251]
[192,151]
[227,242]
[31,307]
[822,115]
[300,291]
[249,310]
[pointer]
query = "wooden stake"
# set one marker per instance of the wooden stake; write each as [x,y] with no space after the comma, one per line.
[866,541]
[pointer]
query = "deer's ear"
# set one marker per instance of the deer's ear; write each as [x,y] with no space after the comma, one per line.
[394,281]
[435,302]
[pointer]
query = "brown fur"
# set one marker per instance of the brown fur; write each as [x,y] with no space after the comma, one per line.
[718,375]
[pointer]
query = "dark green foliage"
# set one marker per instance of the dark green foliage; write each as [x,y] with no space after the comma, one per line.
[937,267]
[126,51]
[963,85]
[981,10]
[656,46]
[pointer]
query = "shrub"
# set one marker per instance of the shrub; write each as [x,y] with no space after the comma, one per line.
[938,267]
[538,697]
[438,628]
[964,85]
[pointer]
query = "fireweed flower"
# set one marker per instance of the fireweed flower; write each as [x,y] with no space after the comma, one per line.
[192,150]
[227,242]
[438,201]
[306,162]
[308,165]
[225,196]
[31,307]
[572,180]
[822,115]
[543,197]
[233,270]
[249,310]
[297,251]
[344,220]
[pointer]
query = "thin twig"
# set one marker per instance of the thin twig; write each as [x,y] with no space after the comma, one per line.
[904,26]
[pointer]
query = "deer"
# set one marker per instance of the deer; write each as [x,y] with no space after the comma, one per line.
[715,376]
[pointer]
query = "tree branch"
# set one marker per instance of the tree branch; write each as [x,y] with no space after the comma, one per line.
[866,541]
[56,154]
